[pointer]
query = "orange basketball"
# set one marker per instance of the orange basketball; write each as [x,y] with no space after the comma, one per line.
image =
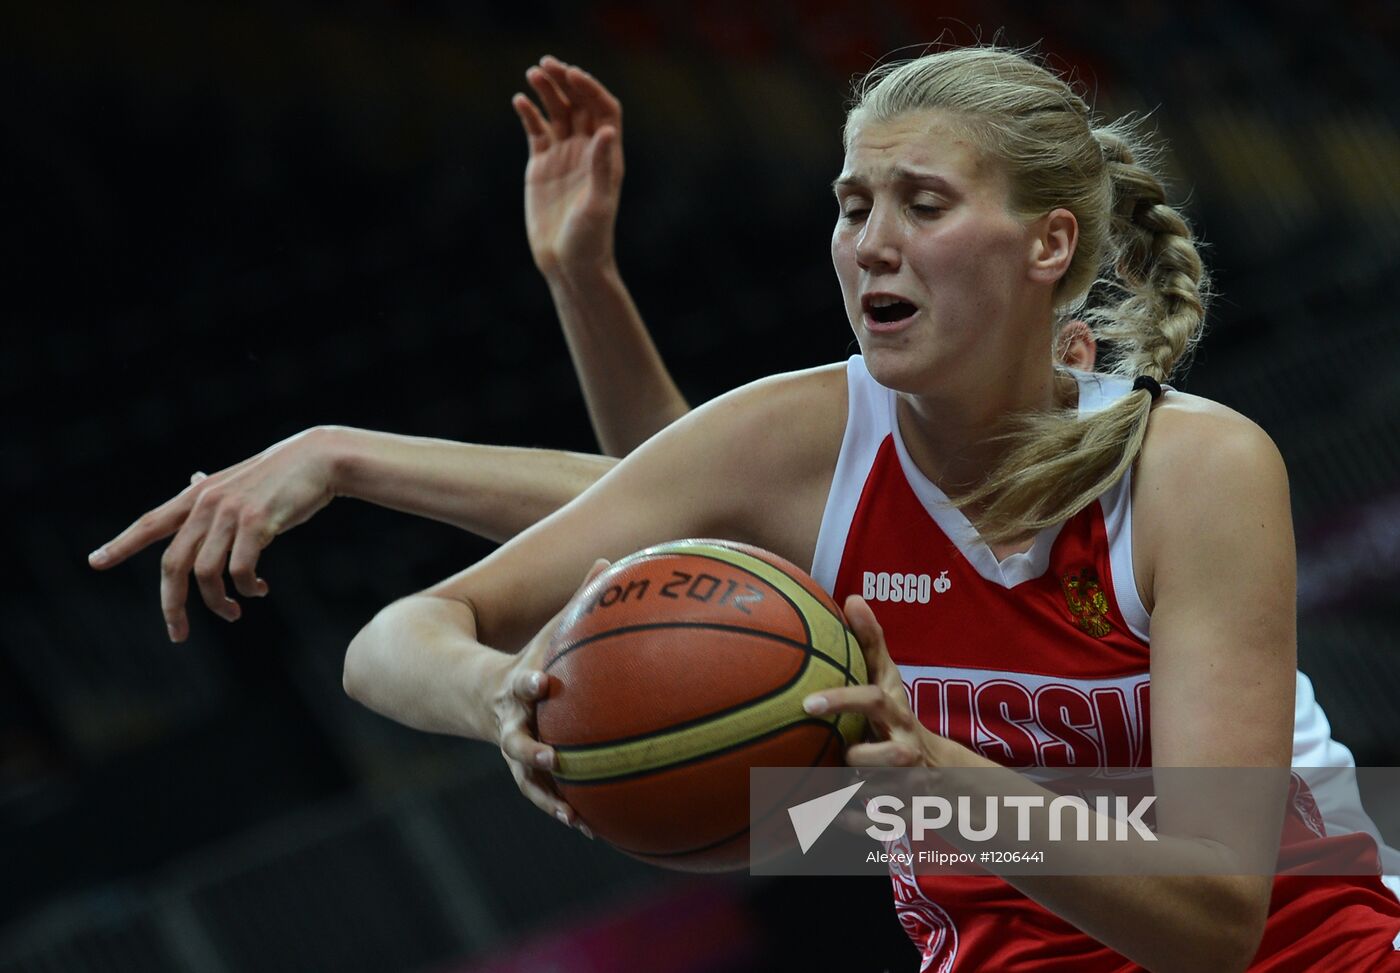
[673,673]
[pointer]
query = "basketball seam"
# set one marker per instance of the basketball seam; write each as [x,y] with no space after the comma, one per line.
[804,647]
[830,725]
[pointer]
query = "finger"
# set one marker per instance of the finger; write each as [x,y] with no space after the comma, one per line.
[600,159]
[243,561]
[566,76]
[556,106]
[209,566]
[197,476]
[599,566]
[541,785]
[867,699]
[150,527]
[175,566]
[605,109]
[540,794]
[519,745]
[883,672]
[561,74]
[530,685]
[536,131]
[544,799]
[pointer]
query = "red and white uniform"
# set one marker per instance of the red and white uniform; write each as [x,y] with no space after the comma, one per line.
[1039,659]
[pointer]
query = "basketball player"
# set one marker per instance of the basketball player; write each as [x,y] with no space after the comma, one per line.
[953,263]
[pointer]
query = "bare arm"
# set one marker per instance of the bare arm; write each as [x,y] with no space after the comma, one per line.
[1223,647]
[224,521]
[449,658]
[493,491]
[573,183]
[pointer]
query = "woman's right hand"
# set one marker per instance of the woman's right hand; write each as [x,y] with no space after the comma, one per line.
[573,180]
[522,686]
[224,521]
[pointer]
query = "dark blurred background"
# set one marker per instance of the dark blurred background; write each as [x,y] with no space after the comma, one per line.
[226,222]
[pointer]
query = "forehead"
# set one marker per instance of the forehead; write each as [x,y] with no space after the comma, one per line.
[923,141]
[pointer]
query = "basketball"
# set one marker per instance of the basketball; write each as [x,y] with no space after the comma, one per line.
[674,672]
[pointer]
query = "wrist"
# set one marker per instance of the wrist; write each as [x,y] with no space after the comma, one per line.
[582,276]
[339,452]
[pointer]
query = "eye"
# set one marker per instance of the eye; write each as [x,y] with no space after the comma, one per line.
[926,209]
[854,214]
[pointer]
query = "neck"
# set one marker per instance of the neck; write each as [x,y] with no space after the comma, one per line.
[951,435]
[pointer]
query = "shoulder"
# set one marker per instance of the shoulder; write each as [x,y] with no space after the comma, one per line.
[1193,441]
[823,385]
[791,416]
[758,459]
[1209,485]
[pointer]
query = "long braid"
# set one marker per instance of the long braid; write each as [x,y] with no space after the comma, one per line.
[1156,327]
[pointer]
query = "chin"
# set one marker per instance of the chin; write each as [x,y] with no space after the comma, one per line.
[901,369]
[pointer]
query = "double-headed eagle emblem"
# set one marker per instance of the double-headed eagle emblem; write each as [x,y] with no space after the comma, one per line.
[1087,603]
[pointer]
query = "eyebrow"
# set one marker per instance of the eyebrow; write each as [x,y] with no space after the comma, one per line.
[901,174]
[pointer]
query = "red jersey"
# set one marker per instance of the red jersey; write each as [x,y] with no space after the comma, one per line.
[1039,659]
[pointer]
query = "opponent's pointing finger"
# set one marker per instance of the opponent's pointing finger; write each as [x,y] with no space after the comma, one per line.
[150,527]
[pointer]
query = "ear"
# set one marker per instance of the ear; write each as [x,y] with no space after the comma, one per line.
[1052,246]
[1076,346]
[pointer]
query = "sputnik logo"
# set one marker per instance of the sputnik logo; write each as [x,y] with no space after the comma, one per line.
[811,818]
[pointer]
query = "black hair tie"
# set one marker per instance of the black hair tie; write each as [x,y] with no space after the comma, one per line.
[1148,382]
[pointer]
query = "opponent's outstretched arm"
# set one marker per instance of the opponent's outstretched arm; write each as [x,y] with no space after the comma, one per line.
[224,521]
[573,182]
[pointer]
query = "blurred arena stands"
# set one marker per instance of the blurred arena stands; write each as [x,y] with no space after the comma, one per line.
[228,222]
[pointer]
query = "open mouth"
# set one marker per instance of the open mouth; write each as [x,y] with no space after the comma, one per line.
[886,309]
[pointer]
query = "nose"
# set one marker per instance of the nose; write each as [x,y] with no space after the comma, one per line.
[877,247]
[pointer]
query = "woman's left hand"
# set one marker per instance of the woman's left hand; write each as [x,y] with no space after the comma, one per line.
[900,740]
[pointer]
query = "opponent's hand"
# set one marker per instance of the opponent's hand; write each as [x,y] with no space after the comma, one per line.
[525,683]
[900,740]
[573,180]
[223,522]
